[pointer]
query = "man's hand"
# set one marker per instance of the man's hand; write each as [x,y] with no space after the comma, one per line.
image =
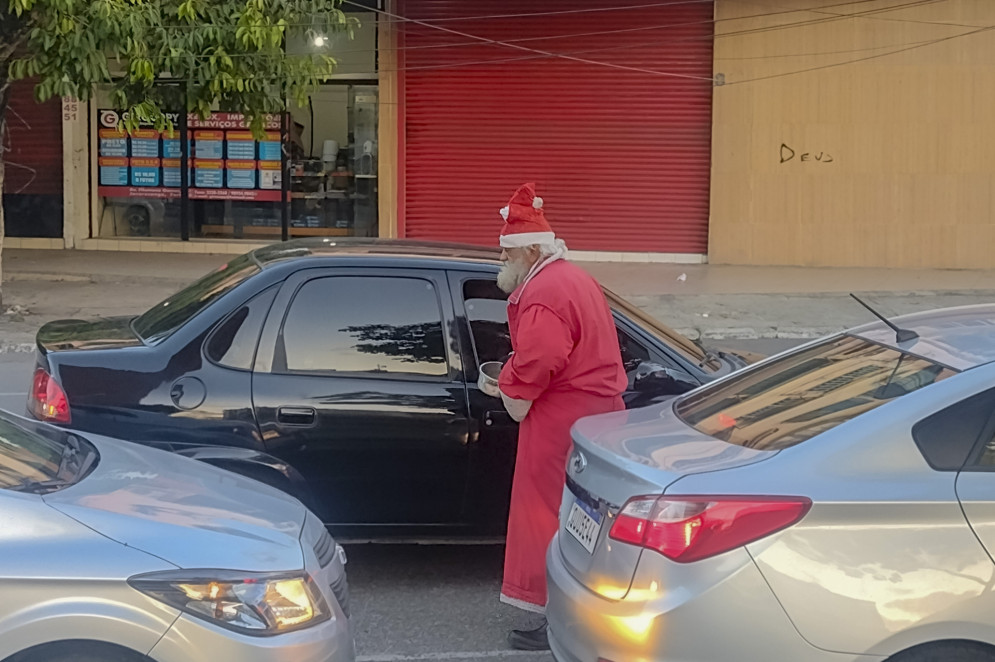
[517,409]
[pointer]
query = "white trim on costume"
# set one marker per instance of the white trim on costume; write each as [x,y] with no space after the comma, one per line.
[525,239]
[522,604]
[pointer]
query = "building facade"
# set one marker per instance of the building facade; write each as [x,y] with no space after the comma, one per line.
[727,131]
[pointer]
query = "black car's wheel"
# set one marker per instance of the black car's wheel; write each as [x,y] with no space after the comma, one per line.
[947,651]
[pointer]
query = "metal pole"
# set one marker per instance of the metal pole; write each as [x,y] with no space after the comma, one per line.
[184,177]
[285,178]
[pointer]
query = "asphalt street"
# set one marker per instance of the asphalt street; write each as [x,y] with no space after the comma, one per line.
[409,602]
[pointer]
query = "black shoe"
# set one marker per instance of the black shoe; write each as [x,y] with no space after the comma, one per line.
[530,640]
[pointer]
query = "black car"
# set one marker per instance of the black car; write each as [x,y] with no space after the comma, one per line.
[343,372]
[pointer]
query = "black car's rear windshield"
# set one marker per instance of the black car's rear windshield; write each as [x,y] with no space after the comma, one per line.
[798,396]
[166,317]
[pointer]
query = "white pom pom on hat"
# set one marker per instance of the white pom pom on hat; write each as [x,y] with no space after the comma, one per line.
[537,203]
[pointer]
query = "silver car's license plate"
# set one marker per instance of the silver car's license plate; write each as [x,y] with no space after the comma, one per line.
[584,524]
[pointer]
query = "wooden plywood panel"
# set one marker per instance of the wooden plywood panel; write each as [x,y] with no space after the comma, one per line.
[900,149]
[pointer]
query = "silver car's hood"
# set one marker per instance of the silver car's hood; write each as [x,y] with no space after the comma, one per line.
[185,512]
[653,440]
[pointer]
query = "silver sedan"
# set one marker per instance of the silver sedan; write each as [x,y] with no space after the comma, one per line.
[834,503]
[111,552]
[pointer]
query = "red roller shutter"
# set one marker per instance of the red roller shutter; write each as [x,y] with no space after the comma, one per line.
[622,158]
[32,144]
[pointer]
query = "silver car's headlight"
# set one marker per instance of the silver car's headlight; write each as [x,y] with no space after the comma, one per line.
[251,603]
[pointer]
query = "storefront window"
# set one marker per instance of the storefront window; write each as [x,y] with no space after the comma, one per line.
[235,187]
[334,166]
[232,174]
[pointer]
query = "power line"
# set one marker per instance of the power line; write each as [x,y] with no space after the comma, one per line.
[537,55]
[563,12]
[932,42]
[547,53]
[631,30]
[656,42]
[818,53]
[817,10]
[540,54]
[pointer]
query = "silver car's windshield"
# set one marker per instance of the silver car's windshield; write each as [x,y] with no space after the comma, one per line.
[798,396]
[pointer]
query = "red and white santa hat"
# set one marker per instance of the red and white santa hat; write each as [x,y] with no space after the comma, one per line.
[524,222]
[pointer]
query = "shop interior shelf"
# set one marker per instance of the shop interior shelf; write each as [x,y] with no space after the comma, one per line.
[250,230]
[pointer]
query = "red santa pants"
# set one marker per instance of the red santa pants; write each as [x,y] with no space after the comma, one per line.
[540,474]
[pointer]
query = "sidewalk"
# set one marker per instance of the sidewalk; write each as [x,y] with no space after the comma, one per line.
[702,301]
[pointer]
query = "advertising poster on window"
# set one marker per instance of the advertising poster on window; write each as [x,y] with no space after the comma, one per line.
[227,162]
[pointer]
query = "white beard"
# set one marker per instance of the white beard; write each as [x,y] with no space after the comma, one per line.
[512,275]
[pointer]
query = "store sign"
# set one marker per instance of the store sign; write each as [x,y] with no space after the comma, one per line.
[226,160]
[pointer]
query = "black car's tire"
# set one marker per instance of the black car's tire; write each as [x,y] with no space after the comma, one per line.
[947,651]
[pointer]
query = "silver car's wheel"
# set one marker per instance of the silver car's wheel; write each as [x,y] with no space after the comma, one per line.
[80,651]
[953,651]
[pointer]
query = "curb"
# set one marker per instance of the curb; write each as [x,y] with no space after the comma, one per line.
[20,276]
[759,333]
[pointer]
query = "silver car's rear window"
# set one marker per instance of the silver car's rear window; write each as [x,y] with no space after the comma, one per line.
[26,457]
[798,396]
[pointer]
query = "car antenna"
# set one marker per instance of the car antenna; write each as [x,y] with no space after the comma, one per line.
[901,335]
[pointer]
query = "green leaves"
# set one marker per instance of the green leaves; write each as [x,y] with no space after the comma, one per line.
[170,55]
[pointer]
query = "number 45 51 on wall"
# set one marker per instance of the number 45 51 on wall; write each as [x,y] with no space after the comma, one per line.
[70,109]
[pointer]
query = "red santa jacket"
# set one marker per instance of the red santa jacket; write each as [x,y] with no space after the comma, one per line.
[564,337]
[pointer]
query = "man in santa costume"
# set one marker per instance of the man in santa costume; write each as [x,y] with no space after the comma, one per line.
[565,365]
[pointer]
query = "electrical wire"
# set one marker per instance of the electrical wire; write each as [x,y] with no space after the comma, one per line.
[932,42]
[533,50]
[652,43]
[631,30]
[818,53]
[548,54]
[366,9]
[817,10]
[541,54]
[562,12]
[382,21]
[656,42]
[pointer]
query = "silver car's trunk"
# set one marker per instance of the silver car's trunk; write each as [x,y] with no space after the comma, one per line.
[620,456]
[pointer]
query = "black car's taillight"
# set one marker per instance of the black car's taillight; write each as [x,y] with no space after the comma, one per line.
[46,400]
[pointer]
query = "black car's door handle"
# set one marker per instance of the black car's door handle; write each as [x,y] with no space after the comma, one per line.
[296,415]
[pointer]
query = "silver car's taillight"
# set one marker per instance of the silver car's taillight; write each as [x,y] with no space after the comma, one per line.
[692,528]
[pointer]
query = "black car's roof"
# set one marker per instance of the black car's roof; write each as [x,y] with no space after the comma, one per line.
[316,247]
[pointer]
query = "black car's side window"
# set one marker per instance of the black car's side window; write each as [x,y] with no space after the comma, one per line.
[233,342]
[373,326]
[487,313]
